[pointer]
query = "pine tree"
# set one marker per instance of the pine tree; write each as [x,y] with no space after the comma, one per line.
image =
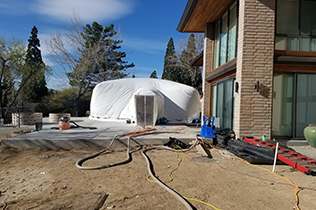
[35,88]
[108,62]
[171,71]
[185,74]
[96,58]
[100,59]
[154,75]
[191,75]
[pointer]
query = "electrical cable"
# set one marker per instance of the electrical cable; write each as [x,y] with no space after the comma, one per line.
[292,183]
[296,187]
[138,132]
[193,199]
[130,136]
[169,175]
[184,196]
[175,194]
[162,183]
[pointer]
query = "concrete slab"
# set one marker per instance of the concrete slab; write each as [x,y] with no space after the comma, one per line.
[99,138]
[297,143]
[306,150]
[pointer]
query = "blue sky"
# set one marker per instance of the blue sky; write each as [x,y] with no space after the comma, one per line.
[145,26]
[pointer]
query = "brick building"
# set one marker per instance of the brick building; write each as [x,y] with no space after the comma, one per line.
[259,63]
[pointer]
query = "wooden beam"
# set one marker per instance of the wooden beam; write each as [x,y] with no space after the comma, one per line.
[294,68]
[205,11]
[297,53]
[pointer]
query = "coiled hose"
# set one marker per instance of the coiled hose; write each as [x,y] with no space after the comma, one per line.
[129,158]
[175,194]
[81,161]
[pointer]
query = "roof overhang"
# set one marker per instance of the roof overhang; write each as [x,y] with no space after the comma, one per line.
[198,61]
[200,12]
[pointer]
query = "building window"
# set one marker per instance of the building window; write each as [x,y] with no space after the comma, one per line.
[296,25]
[232,33]
[216,45]
[214,101]
[225,43]
[222,106]
[294,104]
[224,38]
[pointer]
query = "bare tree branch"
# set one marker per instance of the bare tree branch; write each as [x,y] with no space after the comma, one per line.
[185,54]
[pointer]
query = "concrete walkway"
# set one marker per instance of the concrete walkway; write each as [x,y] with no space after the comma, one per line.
[99,138]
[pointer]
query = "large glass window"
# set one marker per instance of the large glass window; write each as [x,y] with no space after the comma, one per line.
[296,25]
[308,18]
[214,101]
[287,16]
[305,103]
[223,102]
[282,105]
[294,104]
[224,35]
[225,43]
[216,44]
[232,33]
[228,105]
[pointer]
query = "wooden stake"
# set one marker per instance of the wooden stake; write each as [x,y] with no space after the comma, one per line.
[100,201]
[203,151]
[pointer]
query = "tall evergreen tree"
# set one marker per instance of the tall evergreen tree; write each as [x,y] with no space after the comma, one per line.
[182,61]
[154,75]
[191,75]
[100,59]
[170,70]
[35,88]
[97,57]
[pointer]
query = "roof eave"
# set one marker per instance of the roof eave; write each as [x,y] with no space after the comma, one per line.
[197,60]
[186,14]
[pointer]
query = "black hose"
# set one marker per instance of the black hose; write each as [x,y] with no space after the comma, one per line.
[175,194]
[79,126]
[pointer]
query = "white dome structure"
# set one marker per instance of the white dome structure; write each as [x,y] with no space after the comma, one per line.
[144,100]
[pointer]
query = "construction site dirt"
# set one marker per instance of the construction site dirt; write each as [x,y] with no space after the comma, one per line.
[49,179]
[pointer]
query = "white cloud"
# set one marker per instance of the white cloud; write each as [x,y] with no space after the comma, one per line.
[45,52]
[57,79]
[145,45]
[14,7]
[45,39]
[47,61]
[88,10]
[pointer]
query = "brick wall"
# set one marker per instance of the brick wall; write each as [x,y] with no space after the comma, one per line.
[253,110]
[207,67]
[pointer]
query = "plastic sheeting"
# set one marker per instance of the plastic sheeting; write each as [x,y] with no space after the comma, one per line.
[116,100]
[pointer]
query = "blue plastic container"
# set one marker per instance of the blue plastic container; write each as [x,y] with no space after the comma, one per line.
[208,128]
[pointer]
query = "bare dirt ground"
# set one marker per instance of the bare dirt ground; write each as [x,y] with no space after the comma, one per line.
[47,179]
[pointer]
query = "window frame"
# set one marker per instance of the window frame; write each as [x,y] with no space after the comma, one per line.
[217,51]
[299,37]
